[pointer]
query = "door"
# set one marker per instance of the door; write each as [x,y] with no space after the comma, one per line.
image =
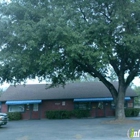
[35,111]
[93,109]
[100,111]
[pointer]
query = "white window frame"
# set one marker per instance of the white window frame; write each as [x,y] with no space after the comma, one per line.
[16,108]
[63,103]
[35,107]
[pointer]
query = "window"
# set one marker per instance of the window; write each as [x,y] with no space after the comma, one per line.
[112,105]
[35,107]
[83,106]
[100,105]
[16,108]
[63,103]
[130,104]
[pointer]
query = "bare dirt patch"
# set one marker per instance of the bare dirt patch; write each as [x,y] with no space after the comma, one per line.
[124,121]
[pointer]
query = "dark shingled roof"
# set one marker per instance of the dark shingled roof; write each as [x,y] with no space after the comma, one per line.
[70,91]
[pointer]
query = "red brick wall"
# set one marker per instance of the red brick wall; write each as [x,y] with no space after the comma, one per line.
[108,110]
[130,103]
[26,113]
[56,105]
[30,114]
[93,109]
[4,108]
[36,114]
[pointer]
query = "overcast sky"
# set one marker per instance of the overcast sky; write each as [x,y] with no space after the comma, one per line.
[136,82]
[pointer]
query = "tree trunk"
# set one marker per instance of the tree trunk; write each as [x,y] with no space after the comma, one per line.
[119,111]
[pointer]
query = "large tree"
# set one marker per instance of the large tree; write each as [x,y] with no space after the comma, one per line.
[61,40]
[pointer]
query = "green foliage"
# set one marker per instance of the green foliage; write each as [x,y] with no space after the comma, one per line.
[14,115]
[135,112]
[63,114]
[128,112]
[58,114]
[62,40]
[81,113]
[132,112]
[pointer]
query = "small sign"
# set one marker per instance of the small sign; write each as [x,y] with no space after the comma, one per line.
[57,103]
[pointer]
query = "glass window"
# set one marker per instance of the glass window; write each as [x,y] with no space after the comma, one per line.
[100,105]
[83,106]
[125,104]
[113,105]
[16,108]
[35,107]
[130,105]
[63,103]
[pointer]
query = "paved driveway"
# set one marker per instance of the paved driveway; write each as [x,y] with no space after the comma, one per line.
[73,129]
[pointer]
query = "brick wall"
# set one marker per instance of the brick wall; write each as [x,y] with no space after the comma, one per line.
[26,114]
[56,105]
[109,111]
[93,109]
[4,108]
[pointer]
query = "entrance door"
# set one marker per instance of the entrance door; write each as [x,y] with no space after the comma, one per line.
[35,111]
[100,111]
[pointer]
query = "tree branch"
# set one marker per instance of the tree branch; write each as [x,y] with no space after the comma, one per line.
[114,65]
[92,71]
[84,16]
[132,74]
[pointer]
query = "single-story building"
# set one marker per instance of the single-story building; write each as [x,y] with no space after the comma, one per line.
[34,100]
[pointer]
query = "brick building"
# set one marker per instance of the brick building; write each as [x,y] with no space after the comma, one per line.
[34,100]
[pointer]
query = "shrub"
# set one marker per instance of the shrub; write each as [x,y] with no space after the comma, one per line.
[135,112]
[128,112]
[65,114]
[14,115]
[62,114]
[132,112]
[81,113]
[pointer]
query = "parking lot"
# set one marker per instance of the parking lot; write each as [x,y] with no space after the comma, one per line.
[73,129]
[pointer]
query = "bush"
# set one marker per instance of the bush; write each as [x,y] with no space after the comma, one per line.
[65,114]
[128,112]
[14,115]
[132,112]
[81,113]
[62,114]
[135,112]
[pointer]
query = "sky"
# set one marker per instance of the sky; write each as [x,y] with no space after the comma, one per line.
[136,82]
[5,85]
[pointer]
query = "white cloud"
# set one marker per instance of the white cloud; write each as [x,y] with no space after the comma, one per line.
[136,81]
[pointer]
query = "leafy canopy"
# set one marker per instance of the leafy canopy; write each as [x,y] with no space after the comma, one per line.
[62,40]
